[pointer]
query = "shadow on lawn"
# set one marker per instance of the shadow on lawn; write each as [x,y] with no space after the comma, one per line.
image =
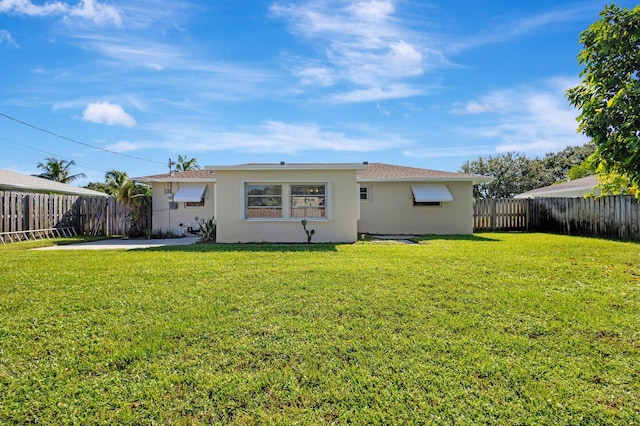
[255,247]
[474,237]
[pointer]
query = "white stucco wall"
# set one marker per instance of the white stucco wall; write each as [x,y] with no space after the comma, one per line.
[165,218]
[391,210]
[342,207]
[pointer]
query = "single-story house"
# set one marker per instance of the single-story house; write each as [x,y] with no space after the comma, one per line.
[13,181]
[573,188]
[267,202]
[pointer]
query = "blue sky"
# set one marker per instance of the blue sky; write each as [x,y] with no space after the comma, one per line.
[130,84]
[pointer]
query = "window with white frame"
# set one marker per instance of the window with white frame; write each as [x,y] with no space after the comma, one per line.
[286,200]
[263,200]
[308,200]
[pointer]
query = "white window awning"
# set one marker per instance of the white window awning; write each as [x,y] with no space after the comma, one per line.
[432,193]
[190,194]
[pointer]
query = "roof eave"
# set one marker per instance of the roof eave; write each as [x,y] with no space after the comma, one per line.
[171,179]
[473,180]
[258,167]
[557,191]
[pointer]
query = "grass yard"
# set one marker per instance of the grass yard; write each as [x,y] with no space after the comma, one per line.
[490,329]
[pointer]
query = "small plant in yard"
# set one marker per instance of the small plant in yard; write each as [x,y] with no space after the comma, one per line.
[159,234]
[309,232]
[208,230]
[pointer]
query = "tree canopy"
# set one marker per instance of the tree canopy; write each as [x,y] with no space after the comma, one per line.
[58,170]
[183,164]
[609,94]
[515,173]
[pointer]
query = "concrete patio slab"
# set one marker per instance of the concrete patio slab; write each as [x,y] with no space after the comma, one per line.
[124,243]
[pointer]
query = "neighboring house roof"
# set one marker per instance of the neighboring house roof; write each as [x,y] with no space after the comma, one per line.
[367,172]
[13,181]
[572,188]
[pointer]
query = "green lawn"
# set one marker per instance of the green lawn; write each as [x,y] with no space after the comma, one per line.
[490,329]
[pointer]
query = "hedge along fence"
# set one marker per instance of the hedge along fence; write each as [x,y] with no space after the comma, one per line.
[26,213]
[615,217]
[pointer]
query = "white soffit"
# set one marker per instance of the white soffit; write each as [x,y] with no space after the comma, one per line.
[432,193]
[190,194]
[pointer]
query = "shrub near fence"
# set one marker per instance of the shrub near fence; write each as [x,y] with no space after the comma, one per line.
[615,217]
[22,212]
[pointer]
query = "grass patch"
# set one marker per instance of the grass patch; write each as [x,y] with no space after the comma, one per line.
[47,242]
[499,328]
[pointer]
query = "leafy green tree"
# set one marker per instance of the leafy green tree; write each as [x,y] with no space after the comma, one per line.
[183,164]
[58,170]
[515,173]
[98,186]
[556,166]
[509,171]
[612,183]
[609,94]
[584,169]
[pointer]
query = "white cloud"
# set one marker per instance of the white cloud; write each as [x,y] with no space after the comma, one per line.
[109,114]
[25,7]
[377,93]
[97,12]
[362,44]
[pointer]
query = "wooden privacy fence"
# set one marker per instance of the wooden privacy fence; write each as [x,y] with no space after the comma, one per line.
[500,215]
[616,217]
[28,215]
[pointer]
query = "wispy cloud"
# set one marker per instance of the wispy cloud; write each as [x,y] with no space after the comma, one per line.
[361,43]
[5,37]
[269,137]
[109,114]
[91,10]
[524,119]
[177,67]
[517,27]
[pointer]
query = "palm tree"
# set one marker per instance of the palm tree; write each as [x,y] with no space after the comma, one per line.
[58,170]
[116,181]
[123,188]
[182,165]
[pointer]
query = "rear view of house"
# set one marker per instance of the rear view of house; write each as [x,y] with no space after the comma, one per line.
[267,202]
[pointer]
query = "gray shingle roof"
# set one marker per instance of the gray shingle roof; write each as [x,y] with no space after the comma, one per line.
[389,172]
[372,172]
[586,183]
[13,181]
